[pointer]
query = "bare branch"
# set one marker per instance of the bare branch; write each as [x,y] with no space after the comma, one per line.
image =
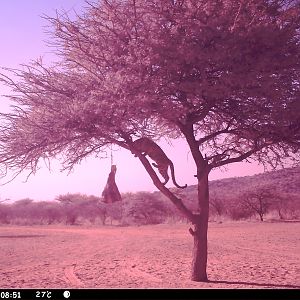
[233,159]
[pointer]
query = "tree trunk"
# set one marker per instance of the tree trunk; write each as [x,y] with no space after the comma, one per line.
[199,262]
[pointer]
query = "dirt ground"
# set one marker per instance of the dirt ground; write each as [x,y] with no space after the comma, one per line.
[241,255]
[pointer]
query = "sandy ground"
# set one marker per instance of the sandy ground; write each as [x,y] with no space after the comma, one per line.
[241,255]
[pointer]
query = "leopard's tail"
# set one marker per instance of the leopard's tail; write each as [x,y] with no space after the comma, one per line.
[173,177]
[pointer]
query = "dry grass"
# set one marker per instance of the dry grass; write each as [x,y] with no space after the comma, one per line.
[241,255]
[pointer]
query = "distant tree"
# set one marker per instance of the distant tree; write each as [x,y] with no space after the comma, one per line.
[294,207]
[72,198]
[69,207]
[92,209]
[114,211]
[78,205]
[287,205]
[144,208]
[22,211]
[172,214]
[23,202]
[5,212]
[258,200]
[237,210]
[49,212]
[217,203]
[280,204]
[221,74]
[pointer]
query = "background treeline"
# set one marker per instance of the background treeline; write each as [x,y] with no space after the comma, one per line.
[272,195]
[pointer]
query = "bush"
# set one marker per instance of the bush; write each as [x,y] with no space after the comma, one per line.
[143,208]
[79,206]
[5,212]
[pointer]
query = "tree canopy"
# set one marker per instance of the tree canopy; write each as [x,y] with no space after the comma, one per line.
[226,72]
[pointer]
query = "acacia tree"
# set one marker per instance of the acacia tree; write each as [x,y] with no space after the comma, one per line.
[221,74]
[258,201]
[217,203]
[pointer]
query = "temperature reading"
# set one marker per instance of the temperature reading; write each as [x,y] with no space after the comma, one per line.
[43,294]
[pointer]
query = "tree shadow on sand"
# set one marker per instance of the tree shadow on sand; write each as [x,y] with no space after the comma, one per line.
[282,221]
[271,285]
[21,236]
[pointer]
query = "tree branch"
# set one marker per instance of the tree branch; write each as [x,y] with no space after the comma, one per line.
[156,181]
[234,159]
[215,134]
[175,200]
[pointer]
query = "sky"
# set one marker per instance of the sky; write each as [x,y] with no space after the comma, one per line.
[23,38]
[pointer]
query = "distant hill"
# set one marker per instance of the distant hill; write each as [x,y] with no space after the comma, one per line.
[285,181]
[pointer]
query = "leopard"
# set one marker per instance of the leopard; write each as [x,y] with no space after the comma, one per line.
[161,161]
